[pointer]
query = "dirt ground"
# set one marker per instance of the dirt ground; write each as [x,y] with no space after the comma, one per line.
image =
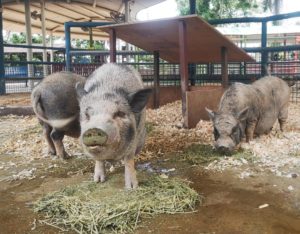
[15,99]
[257,194]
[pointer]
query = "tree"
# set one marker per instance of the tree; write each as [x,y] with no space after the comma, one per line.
[274,6]
[85,44]
[17,38]
[20,38]
[218,9]
[37,39]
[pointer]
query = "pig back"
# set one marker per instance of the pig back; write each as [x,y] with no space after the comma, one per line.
[57,95]
[112,76]
[274,94]
[237,97]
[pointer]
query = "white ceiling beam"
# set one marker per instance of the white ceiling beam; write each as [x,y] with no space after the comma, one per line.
[55,12]
[70,8]
[93,12]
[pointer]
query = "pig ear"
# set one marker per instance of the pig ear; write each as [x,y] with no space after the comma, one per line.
[211,114]
[242,115]
[138,100]
[80,90]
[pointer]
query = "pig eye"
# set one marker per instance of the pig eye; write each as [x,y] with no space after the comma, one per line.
[87,114]
[216,134]
[234,131]
[119,114]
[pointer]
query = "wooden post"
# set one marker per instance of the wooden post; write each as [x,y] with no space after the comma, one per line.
[112,41]
[156,80]
[183,69]
[224,63]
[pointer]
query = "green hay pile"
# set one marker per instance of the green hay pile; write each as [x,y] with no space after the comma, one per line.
[197,154]
[104,208]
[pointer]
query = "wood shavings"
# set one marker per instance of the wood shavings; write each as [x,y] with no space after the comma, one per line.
[168,135]
[23,137]
[263,206]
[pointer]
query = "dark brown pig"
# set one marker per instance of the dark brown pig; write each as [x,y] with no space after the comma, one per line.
[55,104]
[248,110]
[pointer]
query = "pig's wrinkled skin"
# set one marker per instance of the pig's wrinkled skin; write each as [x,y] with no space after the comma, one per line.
[112,118]
[55,104]
[249,110]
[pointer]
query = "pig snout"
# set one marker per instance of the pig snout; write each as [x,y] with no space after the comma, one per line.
[225,146]
[102,135]
[95,137]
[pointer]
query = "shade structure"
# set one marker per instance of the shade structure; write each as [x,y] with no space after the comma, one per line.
[204,42]
[180,40]
[58,12]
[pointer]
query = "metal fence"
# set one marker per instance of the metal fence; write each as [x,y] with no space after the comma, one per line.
[17,78]
[281,61]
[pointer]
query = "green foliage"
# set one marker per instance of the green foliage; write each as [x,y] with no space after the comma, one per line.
[17,38]
[20,38]
[37,39]
[85,44]
[59,58]
[218,9]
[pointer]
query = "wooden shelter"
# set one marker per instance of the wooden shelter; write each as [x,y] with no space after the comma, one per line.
[182,40]
[58,12]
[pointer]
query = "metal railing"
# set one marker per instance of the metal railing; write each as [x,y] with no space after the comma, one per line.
[84,62]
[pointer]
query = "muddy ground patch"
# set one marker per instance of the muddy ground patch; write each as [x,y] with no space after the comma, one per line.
[255,191]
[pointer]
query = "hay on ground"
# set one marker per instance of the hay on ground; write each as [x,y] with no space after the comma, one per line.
[198,154]
[100,208]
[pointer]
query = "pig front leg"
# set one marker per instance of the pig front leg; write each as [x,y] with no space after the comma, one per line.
[99,173]
[57,137]
[130,174]
[250,127]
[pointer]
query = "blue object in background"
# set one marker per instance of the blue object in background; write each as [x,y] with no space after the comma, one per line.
[16,71]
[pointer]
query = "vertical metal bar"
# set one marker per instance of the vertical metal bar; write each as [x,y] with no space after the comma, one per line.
[156,79]
[127,19]
[192,7]
[127,10]
[43,22]
[264,54]
[51,51]
[224,64]
[112,42]
[192,67]
[2,71]
[28,40]
[192,73]
[91,42]
[183,68]
[241,68]
[68,46]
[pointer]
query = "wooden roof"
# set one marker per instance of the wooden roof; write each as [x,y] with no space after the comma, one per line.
[204,42]
[58,12]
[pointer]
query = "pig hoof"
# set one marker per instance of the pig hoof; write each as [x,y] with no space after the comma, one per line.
[99,178]
[66,156]
[131,185]
[50,152]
